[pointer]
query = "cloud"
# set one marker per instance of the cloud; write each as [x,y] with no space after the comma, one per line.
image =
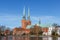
[42,17]
[9,18]
[10,21]
[15,21]
[47,19]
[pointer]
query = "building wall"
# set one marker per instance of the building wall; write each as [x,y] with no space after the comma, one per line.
[24,24]
[45,31]
[28,22]
[50,30]
[58,30]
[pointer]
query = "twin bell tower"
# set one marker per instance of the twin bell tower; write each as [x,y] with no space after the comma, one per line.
[26,22]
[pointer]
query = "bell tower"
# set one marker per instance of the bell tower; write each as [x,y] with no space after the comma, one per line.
[24,23]
[28,21]
[24,14]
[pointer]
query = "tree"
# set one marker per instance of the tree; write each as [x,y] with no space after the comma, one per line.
[31,33]
[54,25]
[54,33]
[3,28]
[0,31]
[55,30]
[40,32]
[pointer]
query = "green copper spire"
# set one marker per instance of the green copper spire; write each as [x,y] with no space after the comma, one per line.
[28,14]
[39,21]
[24,14]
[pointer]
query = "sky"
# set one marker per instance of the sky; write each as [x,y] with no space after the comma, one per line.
[11,12]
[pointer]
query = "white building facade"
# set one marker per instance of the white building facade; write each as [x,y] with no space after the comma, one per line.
[50,29]
[58,30]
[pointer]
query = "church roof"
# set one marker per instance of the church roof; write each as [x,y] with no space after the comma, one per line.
[43,25]
[29,26]
[40,25]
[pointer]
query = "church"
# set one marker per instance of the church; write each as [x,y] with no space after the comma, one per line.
[27,27]
[25,24]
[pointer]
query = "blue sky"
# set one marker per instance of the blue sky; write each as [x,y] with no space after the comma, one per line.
[11,11]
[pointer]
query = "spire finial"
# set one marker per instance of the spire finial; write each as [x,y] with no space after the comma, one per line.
[39,21]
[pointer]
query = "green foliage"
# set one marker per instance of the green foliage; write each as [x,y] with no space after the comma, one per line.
[54,34]
[23,34]
[31,33]
[11,32]
[54,24]
[40,32]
